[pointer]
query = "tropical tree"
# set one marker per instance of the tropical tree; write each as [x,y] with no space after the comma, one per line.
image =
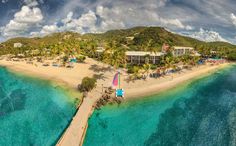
[87,84]
[118,57]
[136,73]
[146,68]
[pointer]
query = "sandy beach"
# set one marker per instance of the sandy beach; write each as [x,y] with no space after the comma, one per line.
[72,77]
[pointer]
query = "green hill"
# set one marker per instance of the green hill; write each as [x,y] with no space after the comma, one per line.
[137,38]
[154,36]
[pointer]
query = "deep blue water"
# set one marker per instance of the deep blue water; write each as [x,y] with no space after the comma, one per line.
[201,113]
[32,112]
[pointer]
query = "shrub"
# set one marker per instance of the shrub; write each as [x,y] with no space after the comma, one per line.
[121,65]
[65,58]
[153,67]
[130,69]
[81,58]
[133,69]
[232,56]
[87,84]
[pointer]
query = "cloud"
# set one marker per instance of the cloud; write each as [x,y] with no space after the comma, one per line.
[104,18]
[110,18]
[4,1]
[28,15]
[121,16]
[85,23]
[98,16]
[31,3]
[87,20]
[27,18]
[176,23]
[47,29]
[208,36]
[233,18]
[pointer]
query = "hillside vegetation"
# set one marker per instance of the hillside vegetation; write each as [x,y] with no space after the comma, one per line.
[137,38]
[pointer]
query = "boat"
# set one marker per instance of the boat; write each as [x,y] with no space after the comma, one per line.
[116,83]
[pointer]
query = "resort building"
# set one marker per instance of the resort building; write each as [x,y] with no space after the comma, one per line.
[140,57]
[17,45]
[180,51]
[99,51]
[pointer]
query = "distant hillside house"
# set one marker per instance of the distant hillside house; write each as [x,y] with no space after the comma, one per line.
[99,51]
[130,38]
[17,45]
[213,52]
[180,51]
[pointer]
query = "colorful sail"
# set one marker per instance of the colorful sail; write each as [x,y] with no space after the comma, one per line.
[116,79]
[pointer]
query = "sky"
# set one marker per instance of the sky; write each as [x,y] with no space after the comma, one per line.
[208,20]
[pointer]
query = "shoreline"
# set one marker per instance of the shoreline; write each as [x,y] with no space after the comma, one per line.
[76,131]
[71,92]
[156,89]
[138,96]
[136,89]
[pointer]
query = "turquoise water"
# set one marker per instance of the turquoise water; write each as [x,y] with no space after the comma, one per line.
[32,112]
[202,113]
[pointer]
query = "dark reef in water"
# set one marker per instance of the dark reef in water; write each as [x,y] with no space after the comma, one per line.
[204,119]
[13,102]
[32,111]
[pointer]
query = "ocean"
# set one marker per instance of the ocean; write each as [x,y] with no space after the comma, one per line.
[33,112]
[198,113]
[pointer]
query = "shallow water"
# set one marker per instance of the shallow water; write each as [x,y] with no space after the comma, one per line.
[32,112]
[200,113]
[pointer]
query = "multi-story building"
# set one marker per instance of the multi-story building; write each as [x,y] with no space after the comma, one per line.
[180,51]
[140,57]
[17,45]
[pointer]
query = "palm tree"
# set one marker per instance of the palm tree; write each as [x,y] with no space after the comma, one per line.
[146,68]
[147,46]
[118,57]
[195,60]
[136,73]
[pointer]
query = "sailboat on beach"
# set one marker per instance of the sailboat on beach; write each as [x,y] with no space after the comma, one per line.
[115,83]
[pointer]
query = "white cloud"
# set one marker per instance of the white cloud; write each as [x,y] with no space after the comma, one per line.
[68,18]
[4,1]
[115,17]
[86,20]
[122,16]
[125,16]
[45,30]
[31,3]
[85,23]
[111,18]
[233,18]
[28,15]
[174,23]
[99,18]
[208,36]
[162,3]
[49,29]
[23,21]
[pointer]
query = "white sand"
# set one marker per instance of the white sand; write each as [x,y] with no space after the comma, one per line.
[72,77]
